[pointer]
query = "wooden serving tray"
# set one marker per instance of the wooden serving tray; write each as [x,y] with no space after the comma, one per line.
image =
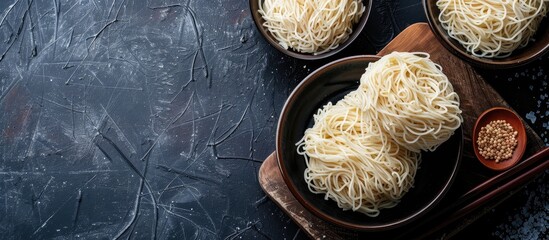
[476,189]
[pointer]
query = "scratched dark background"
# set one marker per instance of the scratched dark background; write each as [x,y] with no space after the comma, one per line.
[150,119]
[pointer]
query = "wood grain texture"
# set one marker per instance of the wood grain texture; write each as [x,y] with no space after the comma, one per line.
[476,96]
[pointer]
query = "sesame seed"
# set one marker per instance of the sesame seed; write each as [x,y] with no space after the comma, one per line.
[497,140]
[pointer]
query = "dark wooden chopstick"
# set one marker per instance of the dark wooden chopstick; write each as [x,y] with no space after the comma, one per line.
[478,196]
[543,153]
[504,188]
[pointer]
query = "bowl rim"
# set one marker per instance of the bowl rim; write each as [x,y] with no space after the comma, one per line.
[357,30]
[490,63]
[302,86]
[520,145]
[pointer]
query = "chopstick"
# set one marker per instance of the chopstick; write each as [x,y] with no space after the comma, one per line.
[484,192]
[543,153]
[506,187]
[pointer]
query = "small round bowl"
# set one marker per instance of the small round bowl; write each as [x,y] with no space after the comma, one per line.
[331,83]
[500,113]
[357,29]
[519,57]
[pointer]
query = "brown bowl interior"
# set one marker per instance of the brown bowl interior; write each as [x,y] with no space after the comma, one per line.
[357,29]
[331,83]
[500,113]
[519,57]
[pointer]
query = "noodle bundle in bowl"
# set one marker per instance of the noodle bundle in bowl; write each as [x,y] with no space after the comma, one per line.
[353,163]
[412,99]
[310,26]
[364,151]
[491,28]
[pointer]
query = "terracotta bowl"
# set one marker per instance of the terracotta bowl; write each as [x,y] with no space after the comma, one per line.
[519,57]
[357,29]
[331,83]
[500,113]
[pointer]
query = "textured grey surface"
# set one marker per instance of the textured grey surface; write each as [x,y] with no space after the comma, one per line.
[150,119]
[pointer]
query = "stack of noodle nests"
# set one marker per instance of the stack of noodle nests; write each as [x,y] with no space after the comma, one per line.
[363,152]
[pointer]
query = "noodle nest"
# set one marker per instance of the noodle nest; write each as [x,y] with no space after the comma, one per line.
[412,99]
[491,28]
[310,26]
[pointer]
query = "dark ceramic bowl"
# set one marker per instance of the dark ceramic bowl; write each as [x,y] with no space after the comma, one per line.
[331,83]
[519,57]
[500,113]
[357,29]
